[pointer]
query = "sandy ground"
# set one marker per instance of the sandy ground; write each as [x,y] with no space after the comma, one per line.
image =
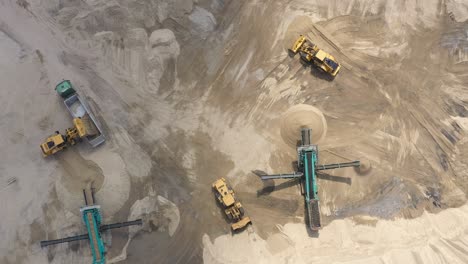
[190,91]
[439,238]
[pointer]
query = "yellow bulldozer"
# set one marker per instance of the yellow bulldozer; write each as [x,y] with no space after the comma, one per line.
[232,208]
[58,142]
[311,54]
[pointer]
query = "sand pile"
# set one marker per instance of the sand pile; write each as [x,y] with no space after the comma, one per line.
[76,174]
[431,238]
[125,54]
[141,58]
[302,116]
[365,167]
[203,22]
[457,10]
[115,189]
[103,170]
[157,213]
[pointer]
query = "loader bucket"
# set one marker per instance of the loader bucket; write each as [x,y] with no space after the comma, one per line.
[298,44]
[241,223]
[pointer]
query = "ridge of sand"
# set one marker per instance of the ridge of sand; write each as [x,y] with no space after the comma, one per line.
[431,238]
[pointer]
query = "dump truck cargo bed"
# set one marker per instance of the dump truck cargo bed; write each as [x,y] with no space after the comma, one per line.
[78,108]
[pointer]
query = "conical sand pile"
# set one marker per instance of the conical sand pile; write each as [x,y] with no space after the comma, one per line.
[302,116]
[364,168]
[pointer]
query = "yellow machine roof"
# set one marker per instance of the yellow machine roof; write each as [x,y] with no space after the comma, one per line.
[321,55]
[52,141]
[227,197]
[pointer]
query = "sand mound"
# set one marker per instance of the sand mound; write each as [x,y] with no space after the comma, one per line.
[76,174]
[302,116]
[157,212]
[431,238]
[203,22]
[116,186]
[300,25]
[364,168]
[103,170]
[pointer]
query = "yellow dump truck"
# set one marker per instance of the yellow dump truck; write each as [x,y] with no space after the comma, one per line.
[232,208]
[311,54]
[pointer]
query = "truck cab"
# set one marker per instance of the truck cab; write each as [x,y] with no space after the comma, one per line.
[65,89]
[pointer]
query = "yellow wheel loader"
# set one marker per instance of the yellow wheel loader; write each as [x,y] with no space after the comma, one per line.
[232,208]
[311,54]
[58,142]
